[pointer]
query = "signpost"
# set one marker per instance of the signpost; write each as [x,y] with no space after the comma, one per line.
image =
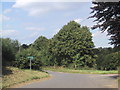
[31,58]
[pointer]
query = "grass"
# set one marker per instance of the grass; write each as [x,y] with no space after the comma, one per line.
[61,69]
[119,81]
[0,83]
[20,75]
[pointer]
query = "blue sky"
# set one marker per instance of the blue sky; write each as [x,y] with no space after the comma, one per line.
[26,21]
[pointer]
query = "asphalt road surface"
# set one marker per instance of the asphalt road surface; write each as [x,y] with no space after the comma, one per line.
[68,80]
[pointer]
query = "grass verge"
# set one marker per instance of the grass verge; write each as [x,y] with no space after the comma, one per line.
[20,75]
[61,69]
[0,82]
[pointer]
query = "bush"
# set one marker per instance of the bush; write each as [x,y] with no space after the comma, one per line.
[22,61]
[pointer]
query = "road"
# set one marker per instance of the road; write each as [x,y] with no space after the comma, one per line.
[68,80]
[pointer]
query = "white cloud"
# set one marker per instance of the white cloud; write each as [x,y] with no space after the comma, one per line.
[34,28]
[4,18]
[8,33]
[7,11]
[78,20]
[38,8]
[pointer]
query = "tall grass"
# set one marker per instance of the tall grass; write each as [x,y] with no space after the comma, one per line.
[20,75]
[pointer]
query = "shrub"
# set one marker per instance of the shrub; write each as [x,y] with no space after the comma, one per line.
[22,60]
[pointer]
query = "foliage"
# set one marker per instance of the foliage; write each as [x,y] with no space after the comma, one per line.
[71,47]
[111,61]
[9,49]
[24,46]
[70,41]
[107,16]
[108,58]
[22,61]
[41,44]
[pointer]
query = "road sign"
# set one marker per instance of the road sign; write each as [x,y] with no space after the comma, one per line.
[30,57]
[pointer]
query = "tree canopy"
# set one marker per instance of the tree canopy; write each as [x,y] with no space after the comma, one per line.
[71,42]
[40,43]
[9,49]
[107,16]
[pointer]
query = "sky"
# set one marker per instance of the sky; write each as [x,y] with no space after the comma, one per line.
[26,21]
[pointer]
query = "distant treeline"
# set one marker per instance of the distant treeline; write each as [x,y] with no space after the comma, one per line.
[107,58]
[71,47]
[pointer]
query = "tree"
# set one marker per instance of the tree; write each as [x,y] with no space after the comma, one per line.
[107,16]
[108,58]
[71,40]
[9,49]
[111,61]
[40,43]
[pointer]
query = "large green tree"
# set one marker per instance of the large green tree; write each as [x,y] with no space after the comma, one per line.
[107,16]
[72,44]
